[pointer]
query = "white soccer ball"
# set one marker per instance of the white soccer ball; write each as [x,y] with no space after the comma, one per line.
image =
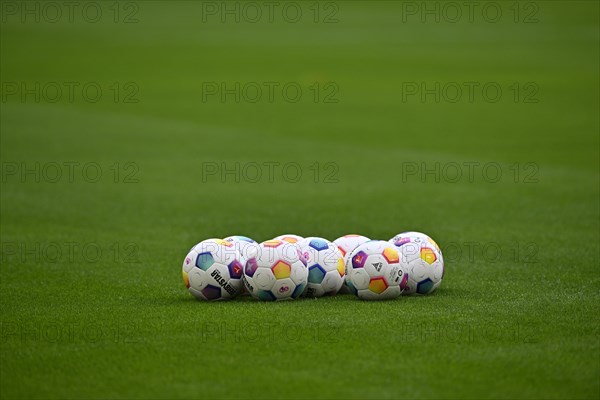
[289,238]
[374,271]
[399,238]
[245,245]
[277,271]
[347,244]
[247,248]
[422,259]
[325,266]
[213,270]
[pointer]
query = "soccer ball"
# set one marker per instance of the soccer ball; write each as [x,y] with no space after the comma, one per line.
[399,238]
[289,238]
[422,259]
[374,271]
[246,246]
[347,244]
[325,266]
[277,271]
[213,270]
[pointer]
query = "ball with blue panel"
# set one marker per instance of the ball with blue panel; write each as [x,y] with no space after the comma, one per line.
[213,270]
[276,272]
[245,245]
[325,265]
[422,258]
[374,271]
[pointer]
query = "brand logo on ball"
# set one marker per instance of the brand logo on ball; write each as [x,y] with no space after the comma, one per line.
[187,260]
[377,266]
[222,282]
[284,289]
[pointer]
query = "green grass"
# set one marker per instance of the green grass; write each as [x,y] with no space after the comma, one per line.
[121,324]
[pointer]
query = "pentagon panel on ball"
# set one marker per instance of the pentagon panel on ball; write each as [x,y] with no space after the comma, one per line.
[422,259]
[347,244]
[374,271]
[213,269]
[276,272]
[245,245]
[325,266]
[289,238]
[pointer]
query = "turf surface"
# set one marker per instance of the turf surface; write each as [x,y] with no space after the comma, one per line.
[91,295]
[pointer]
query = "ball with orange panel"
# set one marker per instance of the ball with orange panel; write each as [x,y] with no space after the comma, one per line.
[289,238]
[276,272]
[347,244]
[374,271]
[422,259]
[325,266]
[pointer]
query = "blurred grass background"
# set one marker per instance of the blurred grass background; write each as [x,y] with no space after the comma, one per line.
[370,134]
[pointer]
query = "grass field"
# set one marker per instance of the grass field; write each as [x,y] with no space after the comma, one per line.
[102,197]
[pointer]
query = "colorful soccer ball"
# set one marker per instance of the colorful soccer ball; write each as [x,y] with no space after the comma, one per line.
[347,244]
[375,272]
[246,246]
[422,259]
[398,239]
[325,266]
[213,270]
[277,271]
[289,238]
